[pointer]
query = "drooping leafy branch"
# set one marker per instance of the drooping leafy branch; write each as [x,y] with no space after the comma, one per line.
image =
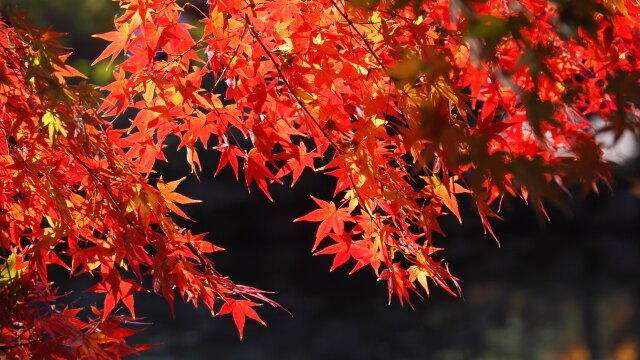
[71,197]
[409,105]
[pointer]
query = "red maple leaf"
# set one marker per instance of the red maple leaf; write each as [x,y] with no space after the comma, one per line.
[240,309]
[330,218]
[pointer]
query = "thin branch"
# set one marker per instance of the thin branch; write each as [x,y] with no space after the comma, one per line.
[288,85]
[364,205]
[235,53]
[360,35]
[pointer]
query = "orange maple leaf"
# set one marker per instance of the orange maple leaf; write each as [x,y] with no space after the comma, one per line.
[330,218]
[119,40]
[171,198]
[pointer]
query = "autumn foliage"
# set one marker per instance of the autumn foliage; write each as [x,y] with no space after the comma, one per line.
[412,106]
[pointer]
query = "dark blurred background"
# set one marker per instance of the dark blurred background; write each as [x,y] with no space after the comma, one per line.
[568,289]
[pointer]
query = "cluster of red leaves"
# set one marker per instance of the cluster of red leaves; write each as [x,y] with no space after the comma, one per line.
[70,196]
[410,105]
[35,326]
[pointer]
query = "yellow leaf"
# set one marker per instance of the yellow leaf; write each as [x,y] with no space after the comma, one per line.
[417,273]
[53,123]
[177,97]
[287,47]
[318,39]
[376,18]
[8,272]
[149,89]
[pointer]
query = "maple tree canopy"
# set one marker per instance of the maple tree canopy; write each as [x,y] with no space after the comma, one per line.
[409,105]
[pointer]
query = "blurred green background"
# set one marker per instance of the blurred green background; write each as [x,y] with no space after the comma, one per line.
[79,19]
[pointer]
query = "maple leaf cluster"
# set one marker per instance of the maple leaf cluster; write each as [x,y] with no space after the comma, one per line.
[409,105]
[71,197]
